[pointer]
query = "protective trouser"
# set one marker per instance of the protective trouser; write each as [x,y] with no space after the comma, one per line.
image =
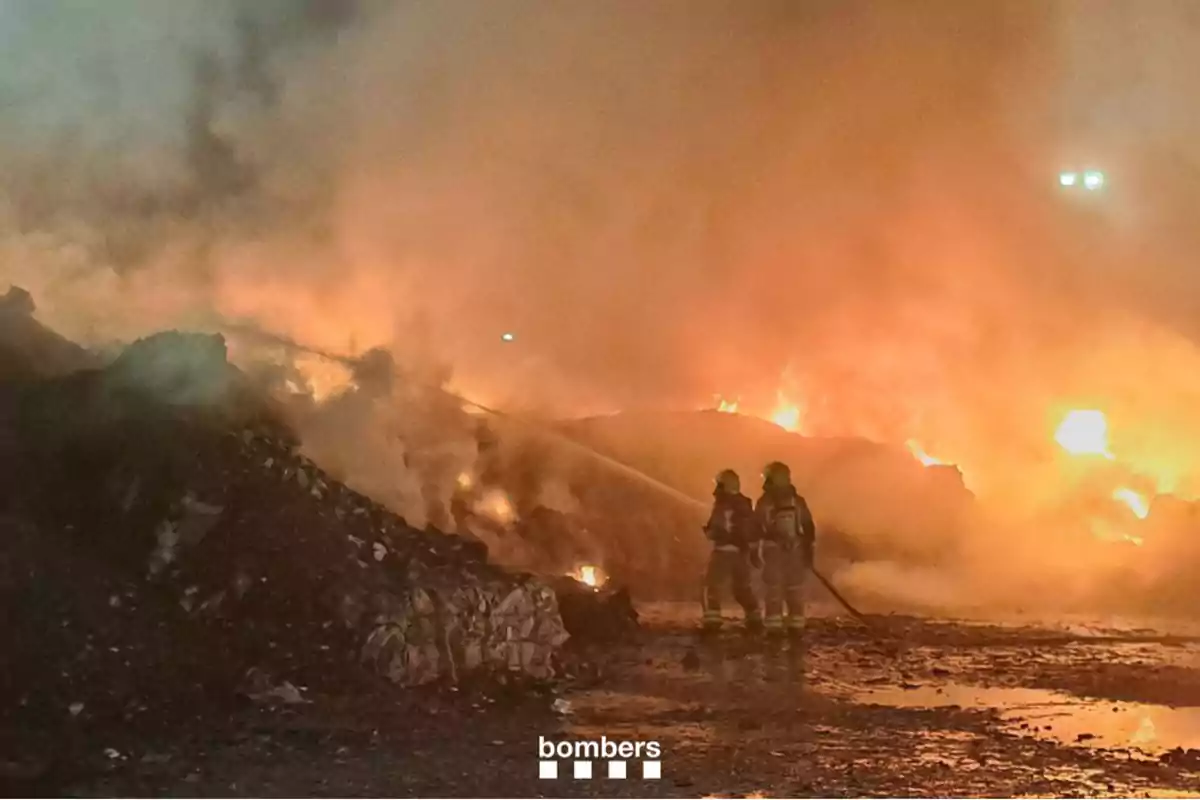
[784,574]
[728,565]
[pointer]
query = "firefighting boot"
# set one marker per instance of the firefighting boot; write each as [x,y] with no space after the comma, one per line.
[754,624]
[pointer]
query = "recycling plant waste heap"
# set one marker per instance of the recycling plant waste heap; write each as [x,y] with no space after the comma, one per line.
[169,466]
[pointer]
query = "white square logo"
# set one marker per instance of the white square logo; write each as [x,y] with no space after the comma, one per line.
[583,769]
[651,770]
[616,769]
[548,770]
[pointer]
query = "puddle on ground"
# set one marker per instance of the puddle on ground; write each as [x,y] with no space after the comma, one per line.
[1152,729]
[633,715]
[1100,626]
[627,703]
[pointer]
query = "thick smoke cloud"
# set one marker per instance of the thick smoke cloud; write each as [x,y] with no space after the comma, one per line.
[850,202]
[663,202]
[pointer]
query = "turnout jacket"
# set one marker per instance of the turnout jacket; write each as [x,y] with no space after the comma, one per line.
[785,519]
[732,524]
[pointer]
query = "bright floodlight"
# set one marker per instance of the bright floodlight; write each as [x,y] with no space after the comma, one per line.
[1093,180]
[1067,178]
[508,337]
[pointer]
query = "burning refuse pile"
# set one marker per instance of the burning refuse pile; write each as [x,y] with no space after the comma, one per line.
[398,435]
[519,486]
[899,528]
[897,523]
[544,503]
[861,491]
[171,471]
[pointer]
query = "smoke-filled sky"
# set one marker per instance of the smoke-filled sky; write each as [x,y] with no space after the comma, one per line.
[854,202]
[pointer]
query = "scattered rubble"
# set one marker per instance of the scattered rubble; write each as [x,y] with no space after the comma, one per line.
[259,688]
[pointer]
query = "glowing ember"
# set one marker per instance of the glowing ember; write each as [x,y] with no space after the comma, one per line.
[464,481]
[325,377]
[587,574]
[921,455]
[496,506]
[1137,504]
[725,407]
[1084,432]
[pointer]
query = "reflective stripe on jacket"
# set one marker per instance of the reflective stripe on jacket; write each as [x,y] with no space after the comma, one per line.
[732,522]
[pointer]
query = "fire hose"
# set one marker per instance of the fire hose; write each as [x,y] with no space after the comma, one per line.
[829,587]
[543,430]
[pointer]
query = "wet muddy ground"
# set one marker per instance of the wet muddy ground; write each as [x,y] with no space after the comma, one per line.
[909,707]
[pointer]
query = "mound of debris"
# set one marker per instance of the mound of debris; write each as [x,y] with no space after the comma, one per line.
[554,510]
[28,349]
[169,469]
[607,614]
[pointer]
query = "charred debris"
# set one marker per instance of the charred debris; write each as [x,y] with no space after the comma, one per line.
[165,544]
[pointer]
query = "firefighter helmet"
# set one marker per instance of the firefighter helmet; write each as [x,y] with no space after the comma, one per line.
[776,474]
[728,481]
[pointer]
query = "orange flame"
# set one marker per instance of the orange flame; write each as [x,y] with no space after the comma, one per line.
[326,378]
[786,414]
[1136,502]
[588,574]
[1084,432]
[496,506]
[921,455]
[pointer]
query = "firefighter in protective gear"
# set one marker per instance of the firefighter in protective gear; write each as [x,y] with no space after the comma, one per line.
[788,541]
[733,530]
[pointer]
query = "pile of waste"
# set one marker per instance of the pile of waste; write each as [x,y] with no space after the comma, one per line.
[30,350]
[174,466]
[165,542]
[606,613]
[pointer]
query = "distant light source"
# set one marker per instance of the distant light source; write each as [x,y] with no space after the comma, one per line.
[508,337]
[1067,178]
[1093,179]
